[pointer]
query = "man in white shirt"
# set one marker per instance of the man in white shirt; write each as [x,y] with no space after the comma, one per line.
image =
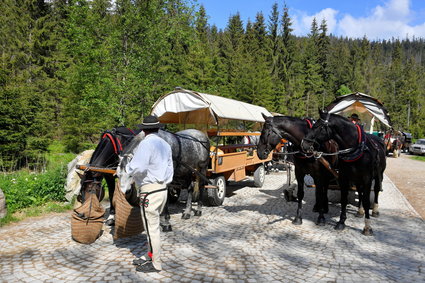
[152,169]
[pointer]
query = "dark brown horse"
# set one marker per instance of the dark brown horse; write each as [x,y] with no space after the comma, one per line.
[111,144]
[361,160]
[294,130]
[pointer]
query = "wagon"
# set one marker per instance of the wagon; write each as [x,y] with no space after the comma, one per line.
[370,110]
[232,127]
[393,142]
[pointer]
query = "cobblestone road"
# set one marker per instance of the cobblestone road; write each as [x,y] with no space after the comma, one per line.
[248,239]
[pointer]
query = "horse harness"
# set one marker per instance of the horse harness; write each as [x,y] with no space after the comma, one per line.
[346,155]
[299,153]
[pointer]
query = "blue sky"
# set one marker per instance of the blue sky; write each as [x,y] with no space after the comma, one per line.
[375,19]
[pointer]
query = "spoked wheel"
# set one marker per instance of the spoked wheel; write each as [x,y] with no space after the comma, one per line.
[216,196]
[259,176]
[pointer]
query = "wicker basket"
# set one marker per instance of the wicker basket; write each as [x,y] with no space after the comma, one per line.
[87,221]
[128,220]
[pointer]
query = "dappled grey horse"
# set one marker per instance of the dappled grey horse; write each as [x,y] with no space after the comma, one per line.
[190,149]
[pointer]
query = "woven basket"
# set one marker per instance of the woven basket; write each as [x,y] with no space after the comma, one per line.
[87,221]
[128,220]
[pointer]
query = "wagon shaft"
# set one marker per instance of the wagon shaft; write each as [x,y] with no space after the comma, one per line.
[96,169]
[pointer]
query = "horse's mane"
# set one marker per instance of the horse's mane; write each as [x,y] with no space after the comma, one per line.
[125,157]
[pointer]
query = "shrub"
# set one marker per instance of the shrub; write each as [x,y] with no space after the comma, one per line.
[23,189]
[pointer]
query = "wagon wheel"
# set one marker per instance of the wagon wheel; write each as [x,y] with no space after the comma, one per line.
[259,176]
[215,197]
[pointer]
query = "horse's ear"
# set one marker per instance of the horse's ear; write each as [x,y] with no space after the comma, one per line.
[323,112]
[264,116]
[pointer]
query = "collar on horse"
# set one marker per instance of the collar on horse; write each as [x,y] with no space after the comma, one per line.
[357,152]
[114,135]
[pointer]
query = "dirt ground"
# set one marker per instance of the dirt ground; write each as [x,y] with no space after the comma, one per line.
[409,177]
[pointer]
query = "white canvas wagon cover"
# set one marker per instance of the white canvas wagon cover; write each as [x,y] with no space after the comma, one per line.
[190,107]
[361,103]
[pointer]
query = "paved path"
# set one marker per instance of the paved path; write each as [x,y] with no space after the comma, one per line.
[248,239]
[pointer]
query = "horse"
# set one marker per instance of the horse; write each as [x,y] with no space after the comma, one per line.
[190,150]
[111,144]
[294,130]
[361,160]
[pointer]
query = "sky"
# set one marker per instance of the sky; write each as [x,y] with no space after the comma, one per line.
[375,19]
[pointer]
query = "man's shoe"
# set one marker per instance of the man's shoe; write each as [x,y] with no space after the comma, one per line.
[147,268]
[141,261]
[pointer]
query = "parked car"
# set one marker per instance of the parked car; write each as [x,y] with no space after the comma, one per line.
[418,147]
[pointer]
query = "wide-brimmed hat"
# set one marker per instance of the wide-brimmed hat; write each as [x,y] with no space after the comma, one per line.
[354,116]
[150,122]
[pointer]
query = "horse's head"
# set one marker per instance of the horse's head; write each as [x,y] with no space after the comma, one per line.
[125,157]
[91,183]
[320,133]
[269,139]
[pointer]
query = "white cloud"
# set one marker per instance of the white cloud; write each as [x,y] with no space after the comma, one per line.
[302,21]
[384,22]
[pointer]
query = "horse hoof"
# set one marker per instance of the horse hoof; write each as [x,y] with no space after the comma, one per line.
[166,228]
[185,215]
[286,195]
[321,222]
[340,226]
[375,213]
[110,222]
[297,221]
[359,215]
[198,213]
[367,232]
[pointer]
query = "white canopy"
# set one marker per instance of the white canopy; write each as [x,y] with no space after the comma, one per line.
[362,104]
[189,107]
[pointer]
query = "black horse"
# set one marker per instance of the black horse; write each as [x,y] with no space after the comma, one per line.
[111,144]
[361,160]
[190,149]
[294,130]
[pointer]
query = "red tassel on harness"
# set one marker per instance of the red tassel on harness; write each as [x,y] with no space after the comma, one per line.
[150,254]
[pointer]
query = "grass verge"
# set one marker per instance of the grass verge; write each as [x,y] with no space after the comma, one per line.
[418,157]
[33,211]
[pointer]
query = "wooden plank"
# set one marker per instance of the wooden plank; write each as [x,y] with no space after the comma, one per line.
[229,133]
[96,169]
[210,187]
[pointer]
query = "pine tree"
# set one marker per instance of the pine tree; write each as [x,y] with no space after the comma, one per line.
[394,84]
[232,50]
[323,43]
[313,80]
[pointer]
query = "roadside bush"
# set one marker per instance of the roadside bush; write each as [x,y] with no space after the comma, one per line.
[26,188]
[23,189]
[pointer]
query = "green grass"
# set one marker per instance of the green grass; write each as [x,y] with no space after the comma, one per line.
[33,211]
[418,157]
[30,194]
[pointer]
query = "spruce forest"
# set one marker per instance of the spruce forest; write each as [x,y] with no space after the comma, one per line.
[73,68]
